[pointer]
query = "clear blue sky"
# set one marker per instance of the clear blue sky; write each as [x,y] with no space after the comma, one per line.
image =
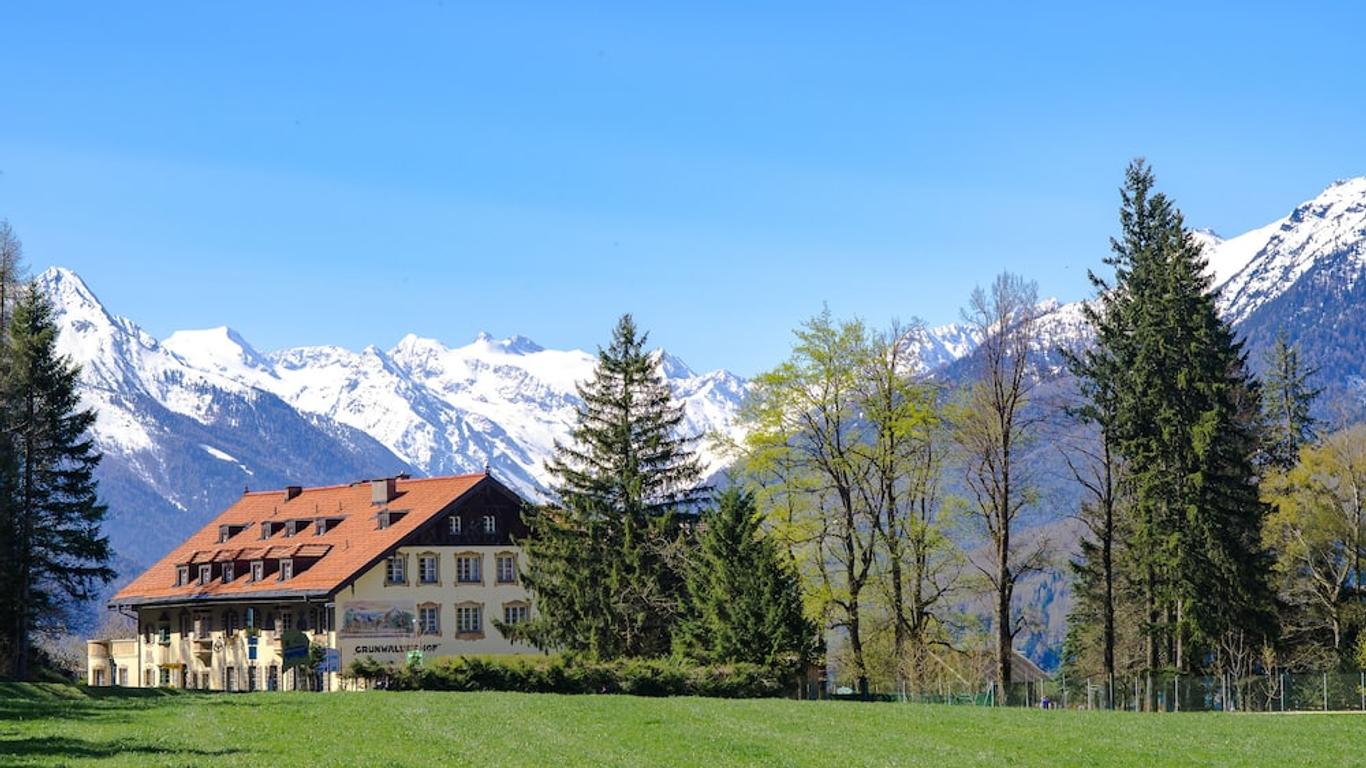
[328,174]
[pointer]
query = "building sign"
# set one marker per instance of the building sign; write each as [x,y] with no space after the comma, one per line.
[376,619]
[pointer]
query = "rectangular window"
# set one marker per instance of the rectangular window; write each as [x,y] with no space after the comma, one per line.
[286,621]
[426,569]
[123,676]
[258,570]
[203,625]
[490,524]
[429,620]
[205,573]
[507,569]
[229,572]
[395,571]
[164,634]
[286,569]
[273,678]
[515,614]
[467,569]
[469,619]
[164,679]
[182,575]
[229,678]
[230,622]
[99,677]
[455,525]
[251,678]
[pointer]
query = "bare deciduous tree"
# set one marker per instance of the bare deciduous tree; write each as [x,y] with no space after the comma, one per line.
[992,430]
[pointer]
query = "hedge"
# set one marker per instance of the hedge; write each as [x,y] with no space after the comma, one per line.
[568,674]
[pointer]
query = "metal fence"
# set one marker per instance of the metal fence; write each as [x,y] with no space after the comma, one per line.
[1163,692]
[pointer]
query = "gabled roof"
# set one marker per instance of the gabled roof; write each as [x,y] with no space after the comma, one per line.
[330,561]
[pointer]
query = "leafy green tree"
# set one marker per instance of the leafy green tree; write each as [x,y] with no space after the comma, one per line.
[744,599]
[804,430]
[605,562]
[54,554]
[1317,529]
[1287,403]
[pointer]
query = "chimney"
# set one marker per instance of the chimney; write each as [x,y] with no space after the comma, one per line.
[383,491]
[292,490]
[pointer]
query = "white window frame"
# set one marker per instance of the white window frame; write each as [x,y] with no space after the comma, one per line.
[469,619]
[455,525]
[396,565]
[423,561]
[511,561]
[286,569]
[205,574]
[229,572]
[469,568]
[429,619]
[490,524]
[182,575]
[258,570]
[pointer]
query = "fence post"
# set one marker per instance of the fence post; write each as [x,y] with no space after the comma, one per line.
[1362,689]
[1325,691]
[1282,691]
[1176,692]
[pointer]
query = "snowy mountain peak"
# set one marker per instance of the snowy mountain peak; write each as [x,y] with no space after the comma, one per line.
[1256,267]
[220,349]
[512,345]
[671,365]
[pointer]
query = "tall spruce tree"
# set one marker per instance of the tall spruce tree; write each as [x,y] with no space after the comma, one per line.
[605,563]
[1287,404]
[1186,425]
[54,552]
[744,598]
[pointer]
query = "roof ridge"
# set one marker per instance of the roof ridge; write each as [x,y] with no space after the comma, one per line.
[358,483]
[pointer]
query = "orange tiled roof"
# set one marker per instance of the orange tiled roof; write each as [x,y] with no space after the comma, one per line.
[348,546]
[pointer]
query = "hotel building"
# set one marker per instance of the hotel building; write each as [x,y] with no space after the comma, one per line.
[373,569]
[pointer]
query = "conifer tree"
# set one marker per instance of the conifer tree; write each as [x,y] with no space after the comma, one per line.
[605,562]
[1186,422]
[1287,402]
[54,552]
[744,600]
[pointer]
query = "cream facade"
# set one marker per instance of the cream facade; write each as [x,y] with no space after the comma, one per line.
[452,611]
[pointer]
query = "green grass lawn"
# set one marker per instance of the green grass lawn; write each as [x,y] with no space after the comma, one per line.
[53,725]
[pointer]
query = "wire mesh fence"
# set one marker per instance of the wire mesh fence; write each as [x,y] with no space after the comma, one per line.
[1154,692]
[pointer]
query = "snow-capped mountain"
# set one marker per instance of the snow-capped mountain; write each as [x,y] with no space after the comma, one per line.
[180,443]
[1270,260]
[1300,273]
[500,403]
[186,422]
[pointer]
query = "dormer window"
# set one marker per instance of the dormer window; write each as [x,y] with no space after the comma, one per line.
[229,572]
[490,524]
[227,531]
[382,519]
[205,574]
[258,570]
[455,525]
[182,575]
[286,569]
[265,530]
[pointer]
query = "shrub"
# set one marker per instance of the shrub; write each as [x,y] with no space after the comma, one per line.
[574,674]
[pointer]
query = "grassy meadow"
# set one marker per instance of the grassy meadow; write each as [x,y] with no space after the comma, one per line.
[65,726]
